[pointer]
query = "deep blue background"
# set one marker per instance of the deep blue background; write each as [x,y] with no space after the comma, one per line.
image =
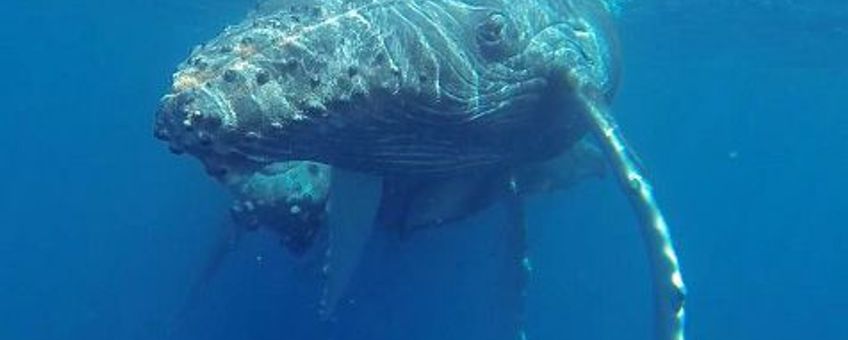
[737,108]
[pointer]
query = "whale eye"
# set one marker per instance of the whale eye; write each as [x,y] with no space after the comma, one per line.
[495,35]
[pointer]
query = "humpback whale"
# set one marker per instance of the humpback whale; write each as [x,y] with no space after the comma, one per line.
[414,102]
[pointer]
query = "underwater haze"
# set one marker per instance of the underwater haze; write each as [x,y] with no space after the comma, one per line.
[736,108]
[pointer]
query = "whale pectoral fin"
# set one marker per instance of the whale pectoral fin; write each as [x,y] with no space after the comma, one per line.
[353,204]
[669,289]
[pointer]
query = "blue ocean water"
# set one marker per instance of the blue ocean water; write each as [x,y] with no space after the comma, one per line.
[736,108]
